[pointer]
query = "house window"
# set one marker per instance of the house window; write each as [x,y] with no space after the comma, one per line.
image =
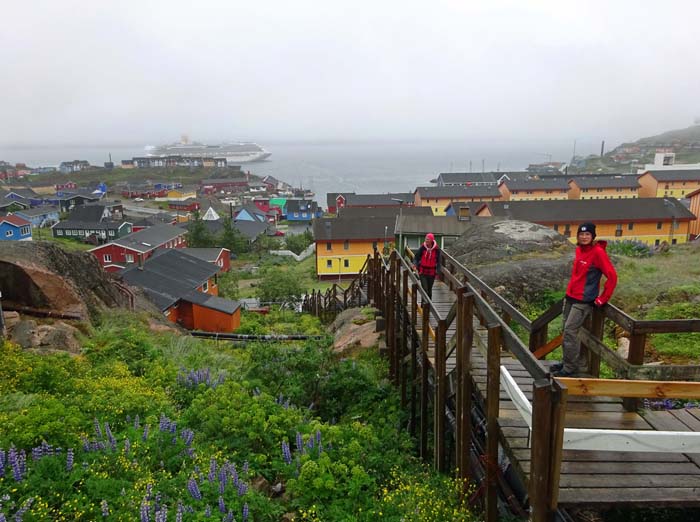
[329,263]
[129,258]
[556,228]
[59,232]
[630,226]
[329,246]
[346,262]
[107,258]
[9,233]
[205,287]
[111,232]
[374,245]
[296,214]
[24,231]
[656,243]
[659,225]
[674,241]
[346,245]
[618,230]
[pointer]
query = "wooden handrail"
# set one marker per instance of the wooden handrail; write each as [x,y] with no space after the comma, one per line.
[636,389]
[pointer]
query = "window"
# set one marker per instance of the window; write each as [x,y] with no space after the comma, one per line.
[296,214]
[329,263]
[107,258]
[346,245]
[129,258]
[674,241]
[205,287]
[346,262]
[24,231]
[556,228]
[676,225]
[656,243]
[329,246]
[618,230]
[59,232]
[374,245]
[630,226]
[9,233]
[111,232]
[659,225]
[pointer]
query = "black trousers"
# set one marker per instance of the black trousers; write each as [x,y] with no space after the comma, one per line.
[426,282]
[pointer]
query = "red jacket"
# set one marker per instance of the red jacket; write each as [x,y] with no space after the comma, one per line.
[427,260]
[590,263]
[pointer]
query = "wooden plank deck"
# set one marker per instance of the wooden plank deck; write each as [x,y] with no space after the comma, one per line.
[590,478]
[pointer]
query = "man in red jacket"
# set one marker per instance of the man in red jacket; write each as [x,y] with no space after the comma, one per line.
[428,263]
[590,263]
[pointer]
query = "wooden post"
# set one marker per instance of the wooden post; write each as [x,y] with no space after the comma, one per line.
[559,400]
[636,357]
[424,383]
[440,395]
[390,319]
[465,339]
[414,355]
[405,334]
[493,387]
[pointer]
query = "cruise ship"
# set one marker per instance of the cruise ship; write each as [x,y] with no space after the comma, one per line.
[234,153]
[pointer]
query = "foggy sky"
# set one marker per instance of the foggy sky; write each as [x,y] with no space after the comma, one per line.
[74,71]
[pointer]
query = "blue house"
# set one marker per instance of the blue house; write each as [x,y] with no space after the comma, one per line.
[39,216]
[302,210]
[250,213]
[14,228]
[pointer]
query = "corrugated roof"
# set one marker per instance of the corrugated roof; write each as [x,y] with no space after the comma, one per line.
[675,175]
[615,181]
[459,191]
[537,184]
[150,238]
[355,212]
[440,225]
[14,220]
[594,210]
[367,228]
[467,177]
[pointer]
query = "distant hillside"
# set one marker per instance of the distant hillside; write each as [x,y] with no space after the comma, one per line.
[687,135]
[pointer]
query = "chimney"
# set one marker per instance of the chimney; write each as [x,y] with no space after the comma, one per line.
[602,149]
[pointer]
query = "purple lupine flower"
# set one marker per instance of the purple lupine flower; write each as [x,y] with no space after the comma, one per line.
[37,453]
[223,479]
[162,514]
[207,511]
[245,512]
[69,460]
[144,437]
[86,444]
[110,437]
[178,513]
[127,445]
[234,474]
[164,423]
[242,488]
[245,467]
[310,443]
[211,476]
[19,515]
[222,505]
[137,422]
[228,517]
[149,491]
[105,508]
[286,452]
[318,437]
[144,512]
[3,456]
[187,436]
[98,429]
[13,459]
[2,517]
[22,460]
[300,443]
[193,488]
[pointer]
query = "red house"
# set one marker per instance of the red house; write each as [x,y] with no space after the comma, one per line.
[139,246]
[189,205]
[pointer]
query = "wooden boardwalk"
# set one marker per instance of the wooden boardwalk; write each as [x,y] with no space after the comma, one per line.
[590,478]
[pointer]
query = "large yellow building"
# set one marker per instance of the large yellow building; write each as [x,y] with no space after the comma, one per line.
[616,186]
[668,183]
[650,220]
[534,189]
[343,243]
[438,198]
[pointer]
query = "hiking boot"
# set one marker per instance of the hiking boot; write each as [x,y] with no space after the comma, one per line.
[563,373]
[556,367]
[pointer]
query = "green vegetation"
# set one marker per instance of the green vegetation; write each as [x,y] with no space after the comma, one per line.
[143,424]
[297,243]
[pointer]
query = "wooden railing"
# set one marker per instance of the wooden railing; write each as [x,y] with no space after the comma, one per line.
[419,350]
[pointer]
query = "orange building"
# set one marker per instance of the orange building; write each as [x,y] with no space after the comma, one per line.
[668,183]
[650,220]
[615,186]
[438,198]
[694,198]
[534,189]
[185,288]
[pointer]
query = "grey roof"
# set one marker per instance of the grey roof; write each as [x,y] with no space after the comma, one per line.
[300,205]
[38,211]
[675,175]
[593,210]
[23,192]
[213,302]
[439,225]
[84,225]
[612,181]
[205,254]
[459,178]
[169,275]
[149,238]
[250,229]
[368,228]
[351,212]
[388,199]
[331,197]
[555,183]
[459,191]
[148,221]
[87,213]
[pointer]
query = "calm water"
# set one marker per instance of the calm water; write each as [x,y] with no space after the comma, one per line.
[333,167]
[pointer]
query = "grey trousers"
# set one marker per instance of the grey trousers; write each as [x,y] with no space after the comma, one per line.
[574,315]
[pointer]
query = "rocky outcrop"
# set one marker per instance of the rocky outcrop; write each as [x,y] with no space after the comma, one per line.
[521,260]
[354,328]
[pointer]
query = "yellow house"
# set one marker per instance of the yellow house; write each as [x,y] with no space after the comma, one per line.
[651,220]
[180,194]
[694,198]
[615,186]
[668,183]
[438,198]
[534,189]
[342,244]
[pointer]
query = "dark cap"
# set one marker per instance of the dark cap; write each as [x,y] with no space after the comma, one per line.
[586,227]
